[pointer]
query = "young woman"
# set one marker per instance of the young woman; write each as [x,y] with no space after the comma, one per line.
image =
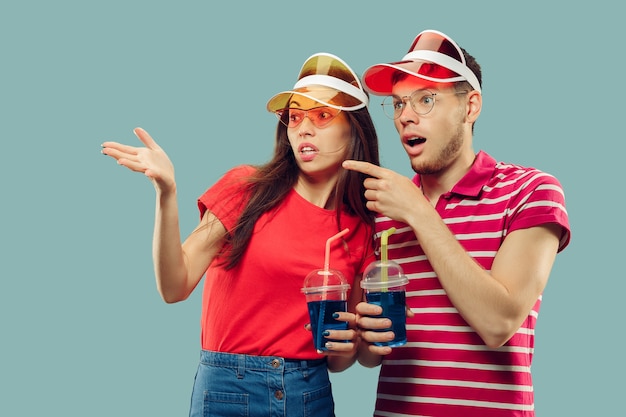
[262,230]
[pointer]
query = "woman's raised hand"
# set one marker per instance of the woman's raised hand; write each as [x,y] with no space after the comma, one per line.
[150,160]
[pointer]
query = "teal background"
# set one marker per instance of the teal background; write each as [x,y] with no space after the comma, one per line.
[82,328]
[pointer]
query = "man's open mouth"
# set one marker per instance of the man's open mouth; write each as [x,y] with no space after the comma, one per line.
[415,141]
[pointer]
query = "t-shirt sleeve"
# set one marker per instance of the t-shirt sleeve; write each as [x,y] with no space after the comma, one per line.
[367,250]
[541,202]
[226,198]
[369,256]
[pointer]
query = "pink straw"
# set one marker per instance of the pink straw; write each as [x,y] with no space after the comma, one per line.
[327,258]
[328,242]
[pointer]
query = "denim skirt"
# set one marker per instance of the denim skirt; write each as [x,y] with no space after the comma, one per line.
[237,385]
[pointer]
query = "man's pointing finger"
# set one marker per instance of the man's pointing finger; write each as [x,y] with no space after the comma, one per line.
[363,167]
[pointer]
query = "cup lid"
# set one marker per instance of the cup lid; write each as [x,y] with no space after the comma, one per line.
[322,280]
[390,283]
[374,279]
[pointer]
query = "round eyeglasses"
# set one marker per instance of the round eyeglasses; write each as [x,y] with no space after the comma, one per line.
[320,116]
[422,102]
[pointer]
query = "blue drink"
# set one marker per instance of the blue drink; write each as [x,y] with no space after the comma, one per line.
[394,308]
[326,293]
[321,314]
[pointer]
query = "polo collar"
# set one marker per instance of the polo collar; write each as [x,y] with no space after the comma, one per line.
[472,182]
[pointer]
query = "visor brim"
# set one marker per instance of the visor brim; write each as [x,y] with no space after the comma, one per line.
[328,80]
[325,96]
[379,79]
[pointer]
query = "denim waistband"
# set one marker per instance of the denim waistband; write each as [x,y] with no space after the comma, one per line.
[236,360]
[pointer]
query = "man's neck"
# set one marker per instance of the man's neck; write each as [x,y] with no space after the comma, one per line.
[435,185]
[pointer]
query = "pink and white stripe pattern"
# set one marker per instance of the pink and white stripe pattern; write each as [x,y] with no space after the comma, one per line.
[445,369]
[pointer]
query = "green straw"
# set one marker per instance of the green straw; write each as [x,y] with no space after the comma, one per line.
[383,255]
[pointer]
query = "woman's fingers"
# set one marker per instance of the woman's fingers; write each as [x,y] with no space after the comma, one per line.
[145,138]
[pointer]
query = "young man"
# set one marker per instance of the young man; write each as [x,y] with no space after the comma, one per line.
[476,238]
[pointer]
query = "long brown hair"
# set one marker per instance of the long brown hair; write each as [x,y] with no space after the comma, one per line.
[272,181]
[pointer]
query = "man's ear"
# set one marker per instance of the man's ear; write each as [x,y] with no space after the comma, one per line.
[474,105]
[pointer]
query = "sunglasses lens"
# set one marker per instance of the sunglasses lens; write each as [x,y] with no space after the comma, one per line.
[319,116]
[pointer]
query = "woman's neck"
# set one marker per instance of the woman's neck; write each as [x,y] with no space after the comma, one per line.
[319,193]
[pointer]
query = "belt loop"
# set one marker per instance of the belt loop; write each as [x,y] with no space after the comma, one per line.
[305,369]
[241,366]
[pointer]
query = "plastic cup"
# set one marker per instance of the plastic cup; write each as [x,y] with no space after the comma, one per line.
[326,293]
[384,283]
